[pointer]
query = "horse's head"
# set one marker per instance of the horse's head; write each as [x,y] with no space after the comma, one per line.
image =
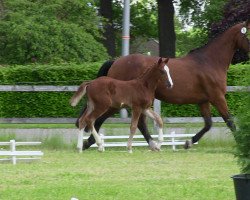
[243,41]
[162,66]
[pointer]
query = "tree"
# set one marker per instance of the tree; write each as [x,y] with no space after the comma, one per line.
[235,11]
[106,11]
[50,31]
[166,28]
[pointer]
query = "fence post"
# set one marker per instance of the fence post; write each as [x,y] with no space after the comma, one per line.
[13,149]
[173,140]
[102,138]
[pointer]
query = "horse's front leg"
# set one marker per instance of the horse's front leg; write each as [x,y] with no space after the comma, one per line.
[206,114]
[134,122]
[158,120]
[221,106]
[142,126]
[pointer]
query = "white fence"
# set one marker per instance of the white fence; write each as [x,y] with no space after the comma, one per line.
[13,155]
[171,139]
[70,88]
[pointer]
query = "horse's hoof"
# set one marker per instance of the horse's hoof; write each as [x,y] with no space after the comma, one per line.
[85,145]
[159,145]
[101,149]
[79,150]
[130,151]
[153,146]
[188,144]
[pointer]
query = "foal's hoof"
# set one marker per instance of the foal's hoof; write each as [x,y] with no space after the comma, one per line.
[153,146]
[101,148]
[159,145]
[79,150]
[188,144]
[130,151]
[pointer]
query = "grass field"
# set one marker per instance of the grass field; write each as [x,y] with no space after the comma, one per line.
[202,173]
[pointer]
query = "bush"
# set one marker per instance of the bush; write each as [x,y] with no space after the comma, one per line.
[50,32]
[242,136]
[42,104]
[56,104]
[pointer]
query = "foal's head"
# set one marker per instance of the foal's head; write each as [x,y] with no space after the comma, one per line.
[164,70]
[243,41]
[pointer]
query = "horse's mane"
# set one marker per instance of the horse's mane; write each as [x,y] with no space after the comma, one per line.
[211,39]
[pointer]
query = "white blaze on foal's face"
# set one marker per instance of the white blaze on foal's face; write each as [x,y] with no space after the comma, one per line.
[169,77]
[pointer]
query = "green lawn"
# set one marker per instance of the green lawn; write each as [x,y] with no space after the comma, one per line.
[201,173]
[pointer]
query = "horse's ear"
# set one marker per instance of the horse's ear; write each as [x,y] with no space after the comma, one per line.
[166,60]
[160,60]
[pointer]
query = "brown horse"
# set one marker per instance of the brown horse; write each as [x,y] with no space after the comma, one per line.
[200,78]
[105,93]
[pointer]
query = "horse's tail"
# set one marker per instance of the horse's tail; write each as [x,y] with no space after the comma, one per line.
[79,94]
[103,71]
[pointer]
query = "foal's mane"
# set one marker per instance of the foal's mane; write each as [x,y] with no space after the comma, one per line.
[147,70]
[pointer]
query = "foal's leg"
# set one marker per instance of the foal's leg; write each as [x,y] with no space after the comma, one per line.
[81,125]
[206,114]
[142,126]
[136,112]
[97,139]
[158,120]
[97,112]
[99,121]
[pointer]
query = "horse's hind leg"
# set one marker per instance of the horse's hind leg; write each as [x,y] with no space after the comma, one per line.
[81,126]
[153,115]
[206,114]
[99,121]
[90,120]
[142,126]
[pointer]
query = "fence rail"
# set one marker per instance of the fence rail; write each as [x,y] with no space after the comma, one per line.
[52,88]
[170,120]
[13,154]
[171,139]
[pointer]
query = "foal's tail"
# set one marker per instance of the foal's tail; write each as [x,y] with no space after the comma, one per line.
[79,94]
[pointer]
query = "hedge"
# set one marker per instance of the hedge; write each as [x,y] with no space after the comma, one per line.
[56,104]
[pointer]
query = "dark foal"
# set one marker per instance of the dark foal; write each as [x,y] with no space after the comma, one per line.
[200,78]
[105,93]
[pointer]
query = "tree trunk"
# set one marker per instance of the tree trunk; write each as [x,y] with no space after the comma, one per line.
[166,28]
[109,35]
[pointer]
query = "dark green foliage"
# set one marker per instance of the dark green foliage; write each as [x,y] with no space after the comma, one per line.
[42,104]
[234,11]
[50,32]
[242,135]
[200,13]
[56,104]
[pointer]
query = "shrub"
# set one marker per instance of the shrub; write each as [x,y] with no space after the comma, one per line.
[50,32]
[56,104]
[242,135]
